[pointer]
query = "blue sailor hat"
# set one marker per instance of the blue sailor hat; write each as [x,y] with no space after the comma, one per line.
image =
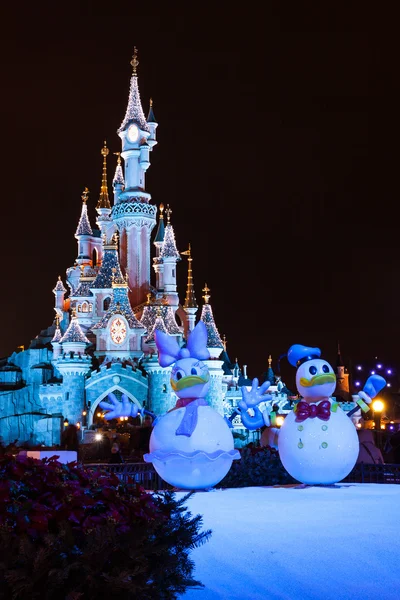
[298,354]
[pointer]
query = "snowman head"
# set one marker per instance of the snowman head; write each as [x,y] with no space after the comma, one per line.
[315,378]
[189,376]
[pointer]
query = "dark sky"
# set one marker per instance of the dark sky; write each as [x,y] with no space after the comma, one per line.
[276,153]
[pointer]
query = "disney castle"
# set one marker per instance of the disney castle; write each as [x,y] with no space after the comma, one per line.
[106,312]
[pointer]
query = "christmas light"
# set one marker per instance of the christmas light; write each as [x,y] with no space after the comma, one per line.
[359,368]
[105,275]
[74,333]
[168,249]
[134,110]
[213,337]
[84,227]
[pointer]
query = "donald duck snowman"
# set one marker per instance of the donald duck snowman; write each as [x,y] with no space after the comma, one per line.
[317,443]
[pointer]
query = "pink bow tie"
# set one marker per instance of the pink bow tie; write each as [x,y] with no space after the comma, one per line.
[321,410]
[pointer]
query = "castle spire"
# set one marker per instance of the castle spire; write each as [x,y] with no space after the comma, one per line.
[84,227]
[150,117]
[134,111]
[104,201]
[161,228]
[213,337]
[169,249]
[119,176]
[190,299]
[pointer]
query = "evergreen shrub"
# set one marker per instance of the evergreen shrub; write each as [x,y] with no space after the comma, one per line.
[76,534]
[257,466]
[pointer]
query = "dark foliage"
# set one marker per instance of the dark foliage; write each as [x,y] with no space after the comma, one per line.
[258,466]
[75,534]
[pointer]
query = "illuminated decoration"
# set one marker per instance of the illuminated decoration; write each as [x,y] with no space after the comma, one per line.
[118,176]
[119,304]
[191,447]
[213,337]
[133,133]
[104,201]
[165,323]
[168,249]
[74,333]
[84,227]
[158,325]
[134,112]
[109,266]
[118,330]
[317,443]
[59,286]
[359,368]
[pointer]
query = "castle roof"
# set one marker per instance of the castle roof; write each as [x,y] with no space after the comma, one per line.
[84,227]
[161,227]
[83,289]
[59,286]
[134,111]
[168,249]
[213,337]
[167,315]
[74,333]
[57,335]
[119,305]
[109,267]
[150,117]
[158,325]
[119,176]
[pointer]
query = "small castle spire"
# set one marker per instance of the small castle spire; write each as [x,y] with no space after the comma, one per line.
[104,201]
[269,361]
[160,229]
[168,212]
[190,299]
[85,195]
[84,227]
[150,117]
[134,111]
[224,342]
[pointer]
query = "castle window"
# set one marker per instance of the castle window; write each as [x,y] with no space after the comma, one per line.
[90,307]
[79,308]
[94,258]
[85,307]
[106,303]
[164,388]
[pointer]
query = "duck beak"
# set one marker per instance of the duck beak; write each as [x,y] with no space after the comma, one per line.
[188,381]
[318,380]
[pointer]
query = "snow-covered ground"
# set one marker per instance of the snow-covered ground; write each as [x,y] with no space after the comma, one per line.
[288,543]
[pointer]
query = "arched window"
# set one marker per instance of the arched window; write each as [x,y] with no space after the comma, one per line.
[106,303]
[79,308]
[90,307]
[164,388]
[85,307]
[94,257]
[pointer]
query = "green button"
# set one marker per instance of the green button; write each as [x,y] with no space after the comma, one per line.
[300,427]
[324,427]
[300,444]
[324,445]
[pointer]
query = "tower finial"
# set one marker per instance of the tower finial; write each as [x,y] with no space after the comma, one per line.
[269,361]
[104,201]
[151,102]
[206,296]
[224,342]
[168,212]
[85,195]
[134,61]
[161,210]
[118,155]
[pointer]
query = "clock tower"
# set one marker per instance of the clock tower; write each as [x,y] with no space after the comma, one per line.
[133,213]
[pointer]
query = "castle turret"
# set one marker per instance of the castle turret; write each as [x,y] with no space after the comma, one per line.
[73,365]
[118,181]
[170,256]
[84,233]
[158,265]
[215,347]
[55,342]
[152,123]
[133,214]
[59,292]
[190,305]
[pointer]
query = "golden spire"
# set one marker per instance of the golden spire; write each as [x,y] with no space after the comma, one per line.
[161,210]
[224,342]
[104,201]
[85,195]
[134,61]
[168,212]
[190,300]
[118,155]
[269,361]
[206,296]
[151,102]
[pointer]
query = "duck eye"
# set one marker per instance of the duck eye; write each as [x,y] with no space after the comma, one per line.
[179,375]
[325,368]
[313,369]
[193,371]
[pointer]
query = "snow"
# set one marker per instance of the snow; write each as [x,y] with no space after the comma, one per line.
[294,543]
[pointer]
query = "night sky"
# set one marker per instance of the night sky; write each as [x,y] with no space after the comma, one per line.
[276,154]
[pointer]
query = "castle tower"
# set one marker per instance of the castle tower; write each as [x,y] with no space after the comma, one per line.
[59,292]
[170,256]
[55,342]
[132,212]
[118,181]
[190,305]
[158,264]
[84,233]
[215,346]
[103,207]
[73,365]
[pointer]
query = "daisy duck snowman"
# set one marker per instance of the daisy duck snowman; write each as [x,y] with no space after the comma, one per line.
[318,442]
[191,446]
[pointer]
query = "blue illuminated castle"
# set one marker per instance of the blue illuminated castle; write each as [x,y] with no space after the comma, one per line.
[102,338]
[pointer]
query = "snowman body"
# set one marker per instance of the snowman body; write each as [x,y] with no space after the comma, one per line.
[314,451]
[197,461]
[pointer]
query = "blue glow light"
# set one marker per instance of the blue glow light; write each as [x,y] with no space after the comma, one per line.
[357,383]
[372,372]
[389,371]
[359,368]
[379,366]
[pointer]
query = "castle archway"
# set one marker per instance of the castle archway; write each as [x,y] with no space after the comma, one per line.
[95,413]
